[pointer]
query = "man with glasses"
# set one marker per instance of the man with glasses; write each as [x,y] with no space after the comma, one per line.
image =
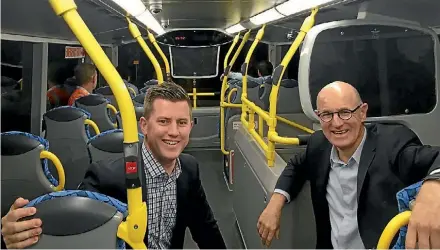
[355,171]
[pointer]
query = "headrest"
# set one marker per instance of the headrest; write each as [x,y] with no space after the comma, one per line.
[139,112]
[106,90]
[151,82]
[92,100]
[267,80]
[17,143]
[139,98]
[66,114]
[250,83]
[70,81]
[289,83]
[111,141]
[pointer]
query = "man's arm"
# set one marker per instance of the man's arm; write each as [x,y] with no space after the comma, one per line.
[293,177]
[414,160]
[203,226]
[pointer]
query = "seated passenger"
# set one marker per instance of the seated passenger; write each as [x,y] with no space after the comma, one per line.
[264,71]
[167,121]
[355,171]
[56,94]
[86,79]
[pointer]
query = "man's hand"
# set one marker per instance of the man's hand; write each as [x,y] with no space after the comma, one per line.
[18,235]
[424,224]
[268,224]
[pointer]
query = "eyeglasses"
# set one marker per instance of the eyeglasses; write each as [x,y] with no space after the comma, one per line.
[344,114]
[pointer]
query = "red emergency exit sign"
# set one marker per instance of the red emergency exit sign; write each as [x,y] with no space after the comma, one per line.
[74,52]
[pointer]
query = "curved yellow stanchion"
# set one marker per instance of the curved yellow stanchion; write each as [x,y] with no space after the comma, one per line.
[93,124]
[230,94]
[137,35]
[60,170]
[248,106]
[231,48]
[131,90]
[272,135]
[227,69]
[392,229]
[164,58]
[133,229]
[115,112]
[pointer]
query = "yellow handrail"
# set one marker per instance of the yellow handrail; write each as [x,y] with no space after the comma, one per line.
[115,112]
[164,58]
[224,104]
[392,228]
[230,94]
[133,229]
[131,90]
[231,48]
[93,124]
[194,94]
[137,35]
[271,117]
[295,125]
[60,170]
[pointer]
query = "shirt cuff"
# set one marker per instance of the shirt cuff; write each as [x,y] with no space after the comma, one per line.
[279,191]
[437,171]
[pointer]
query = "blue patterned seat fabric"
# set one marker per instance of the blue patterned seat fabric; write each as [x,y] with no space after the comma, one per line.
[44,162]
[120,206]
[404,198]
[82,110]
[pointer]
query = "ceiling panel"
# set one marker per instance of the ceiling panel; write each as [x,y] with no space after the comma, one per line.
[209,13]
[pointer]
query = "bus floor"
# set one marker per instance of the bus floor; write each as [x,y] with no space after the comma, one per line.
[218,195]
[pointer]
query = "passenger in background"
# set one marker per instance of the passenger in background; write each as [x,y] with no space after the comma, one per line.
[355,171]
[171,181]
[57,94]
[264,71]
[86,78]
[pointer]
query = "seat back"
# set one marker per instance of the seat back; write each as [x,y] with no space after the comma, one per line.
[68,136]
[108,145]
[265,90]
[138,101]
[132,86]
[139,110]
[23,173]
[108,94]
[289,107]
[96,105]
[77,219]
[148,84]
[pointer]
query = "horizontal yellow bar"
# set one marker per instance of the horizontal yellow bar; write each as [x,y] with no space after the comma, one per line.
[230,105]
[296,125]
[283,140]
[257,109]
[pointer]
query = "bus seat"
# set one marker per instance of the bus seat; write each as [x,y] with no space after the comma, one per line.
[96,105]
[265,93]
[138,101]
[77,219]
[289,107]
[107,93]
[68,136]
[139,110]
[23,173]
[404,199]
[252,95]
[148,84]
[132,86]
[108,145]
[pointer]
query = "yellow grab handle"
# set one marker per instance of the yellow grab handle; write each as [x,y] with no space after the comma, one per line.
[159,50]
[133,229]
[60,170]
[231,48]
[137,35]
[230,94]
[93,124]
[113,109]
[131,90]
[392,228]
